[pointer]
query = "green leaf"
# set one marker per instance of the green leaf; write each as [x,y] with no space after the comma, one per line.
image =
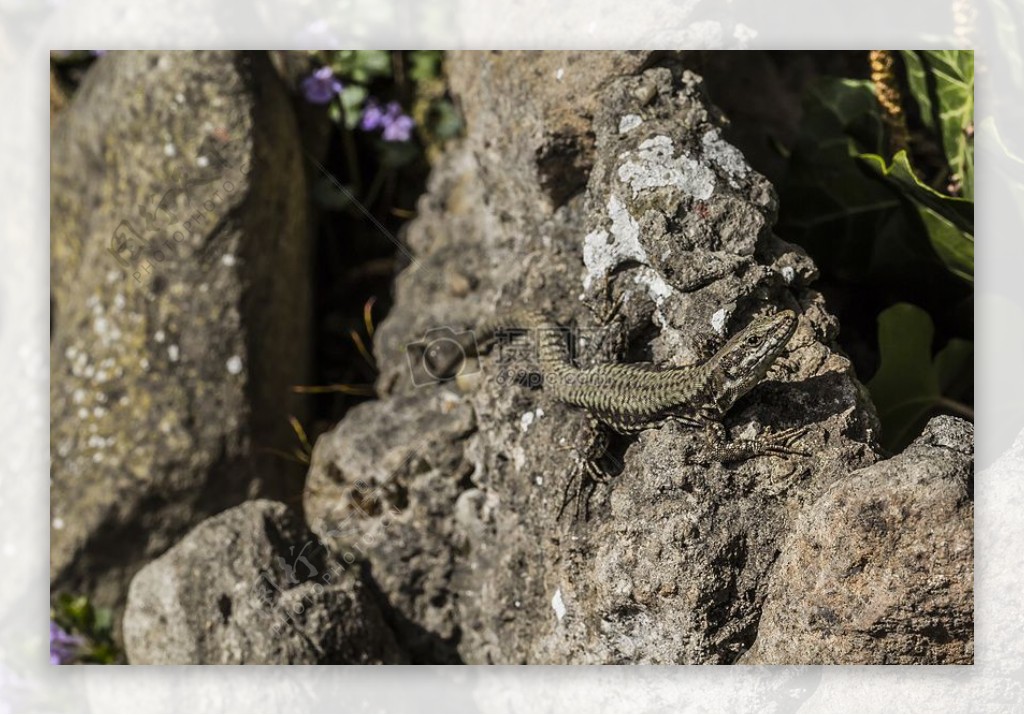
[394,155]
[352,98]
[77,616]
[374,63]
[853,224]
[362,66]
[918,82]
[100,654]
[79,611]
[954,367]
[445,120]
[844,107]
[910,385]
[948,220]
[942,83]
[424,64]
[334,112]
[103,621]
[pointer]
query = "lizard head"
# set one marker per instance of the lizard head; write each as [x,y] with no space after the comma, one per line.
[743,362]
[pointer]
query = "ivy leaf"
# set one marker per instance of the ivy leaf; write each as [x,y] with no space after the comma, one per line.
[855,225]
[942,83]
[918,80]
[910,385]
[948,220]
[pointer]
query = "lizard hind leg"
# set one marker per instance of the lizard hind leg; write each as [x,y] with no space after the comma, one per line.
[579,488]
[586,473]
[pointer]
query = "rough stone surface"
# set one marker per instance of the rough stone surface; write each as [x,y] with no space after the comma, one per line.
[179,263]
[253,585]
[381,487]
[880,569]
[587,178]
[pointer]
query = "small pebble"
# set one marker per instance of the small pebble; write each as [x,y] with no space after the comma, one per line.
[234,364]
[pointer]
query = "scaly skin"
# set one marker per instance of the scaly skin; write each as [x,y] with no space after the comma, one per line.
[632,398]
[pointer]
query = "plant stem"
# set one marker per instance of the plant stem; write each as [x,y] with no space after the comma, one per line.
[378,181]
[351,157]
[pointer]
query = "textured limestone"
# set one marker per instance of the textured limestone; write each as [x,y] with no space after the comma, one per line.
[179,260]
[252,585]
[880,570]
[586,179]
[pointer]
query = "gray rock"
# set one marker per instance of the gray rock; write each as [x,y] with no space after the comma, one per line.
[380,490]
[253,585]
[880,570]
[579,169]
[179,255]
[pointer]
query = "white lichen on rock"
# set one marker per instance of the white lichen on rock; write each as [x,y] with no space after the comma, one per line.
[725,157]
[603,252]
[656,166]
[601,255]
[718,321]
[528,418]
[657,288]
[629,121]
[558,605]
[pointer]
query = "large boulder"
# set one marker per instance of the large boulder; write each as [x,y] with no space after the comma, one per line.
[380,490]
[179,276]
[253,585]
[585,180]
[880,570]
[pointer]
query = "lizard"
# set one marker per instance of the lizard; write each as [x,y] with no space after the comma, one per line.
[631,398]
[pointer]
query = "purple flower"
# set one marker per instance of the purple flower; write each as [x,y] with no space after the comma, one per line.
[321,86]
[373,116]
[397,126]
[399,130]
[63,645]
